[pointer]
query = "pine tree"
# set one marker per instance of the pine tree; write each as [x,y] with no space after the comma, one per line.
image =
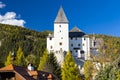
[8,61]
[31,58]
[20,58]
[69,69]
[55,69]
[43,61]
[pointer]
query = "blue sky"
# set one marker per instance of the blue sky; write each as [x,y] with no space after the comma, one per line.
[91,16]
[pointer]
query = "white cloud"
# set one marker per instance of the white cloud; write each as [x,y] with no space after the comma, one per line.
[2,5]
[11,18]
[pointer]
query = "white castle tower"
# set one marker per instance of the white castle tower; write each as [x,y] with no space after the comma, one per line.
[75,40]
[59,41]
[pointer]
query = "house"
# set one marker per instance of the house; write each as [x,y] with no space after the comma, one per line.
[13,72]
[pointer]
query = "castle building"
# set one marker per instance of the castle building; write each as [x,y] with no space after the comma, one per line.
[63,40]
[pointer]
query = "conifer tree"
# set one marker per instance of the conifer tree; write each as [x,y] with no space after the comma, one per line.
[69,69]
[8,61]
[20,58]
[43,61]
[55,68]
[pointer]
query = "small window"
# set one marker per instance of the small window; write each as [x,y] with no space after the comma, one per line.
[51,47]
[76,38]
[78,44]
[60,43]
[76,51]
[71,38]
[61,37]
[84,39]
[83,44]
[50,38]
[71,45]
[60,30]
[94,43]
[59,25]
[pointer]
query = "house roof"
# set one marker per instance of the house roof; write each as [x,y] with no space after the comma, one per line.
[61,17]
[76,32]
[27,74]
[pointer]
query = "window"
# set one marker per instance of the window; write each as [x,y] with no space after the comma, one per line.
[83,44]
[61,37]
[71,38]
[76,38]
[60,30]
[84,39]
[78,44]
[60,43]
[71,45]
[51,47]
[50,38]
[76,51]
[59,25]
[94,43]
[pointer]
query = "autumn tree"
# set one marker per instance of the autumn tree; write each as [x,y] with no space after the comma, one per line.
[43,61]
[88,70]
[8,61]
[69,69]
[20,58]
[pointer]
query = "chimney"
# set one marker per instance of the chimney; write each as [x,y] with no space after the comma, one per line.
[30,67]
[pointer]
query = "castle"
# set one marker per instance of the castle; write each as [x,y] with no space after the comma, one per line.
[63,40]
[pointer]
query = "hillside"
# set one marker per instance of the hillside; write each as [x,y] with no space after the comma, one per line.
[12,37]
[33,42]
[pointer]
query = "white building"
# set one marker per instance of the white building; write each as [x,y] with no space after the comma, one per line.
[63,40]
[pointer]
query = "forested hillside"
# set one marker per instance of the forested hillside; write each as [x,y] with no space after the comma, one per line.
[12,37]
[33,42]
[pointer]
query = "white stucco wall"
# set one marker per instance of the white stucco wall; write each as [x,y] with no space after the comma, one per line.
[61,36]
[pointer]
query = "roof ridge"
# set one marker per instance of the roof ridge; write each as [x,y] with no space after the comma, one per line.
[75,29]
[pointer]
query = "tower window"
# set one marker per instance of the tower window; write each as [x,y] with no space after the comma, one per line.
[60,43]
[50,38]
[71,38]
[59,25]
[51,47]
[83,44]
[78,44]
[60,30]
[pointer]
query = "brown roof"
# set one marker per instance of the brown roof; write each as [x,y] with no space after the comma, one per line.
[27,74]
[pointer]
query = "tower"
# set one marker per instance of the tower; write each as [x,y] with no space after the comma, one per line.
[61,36]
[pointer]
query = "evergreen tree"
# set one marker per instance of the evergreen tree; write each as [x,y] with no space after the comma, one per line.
[31,58]
[43,61]
[55,68]
[20,58]
[8,61]
[69,69]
